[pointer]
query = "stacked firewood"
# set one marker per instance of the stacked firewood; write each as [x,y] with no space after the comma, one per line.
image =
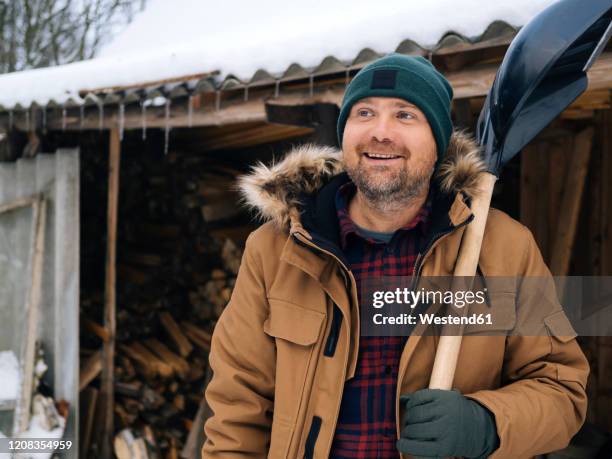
[178,253]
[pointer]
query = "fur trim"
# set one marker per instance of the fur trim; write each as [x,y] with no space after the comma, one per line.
[272,191]
[460,167]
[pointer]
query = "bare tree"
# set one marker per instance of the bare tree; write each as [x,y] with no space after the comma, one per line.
[42,33]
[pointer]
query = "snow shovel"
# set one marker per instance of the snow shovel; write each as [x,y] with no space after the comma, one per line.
[542,73]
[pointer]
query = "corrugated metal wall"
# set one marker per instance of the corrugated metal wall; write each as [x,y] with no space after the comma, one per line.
[57,177]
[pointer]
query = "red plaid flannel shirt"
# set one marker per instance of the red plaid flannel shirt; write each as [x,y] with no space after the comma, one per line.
[366,422]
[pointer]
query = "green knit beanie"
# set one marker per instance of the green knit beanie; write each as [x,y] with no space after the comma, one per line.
[411,78]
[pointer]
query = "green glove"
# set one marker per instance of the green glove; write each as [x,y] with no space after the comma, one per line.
[442,423]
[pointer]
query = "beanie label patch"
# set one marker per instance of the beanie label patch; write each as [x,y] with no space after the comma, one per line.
[384,79]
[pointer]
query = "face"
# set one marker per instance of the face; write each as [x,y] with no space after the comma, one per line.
[388,149]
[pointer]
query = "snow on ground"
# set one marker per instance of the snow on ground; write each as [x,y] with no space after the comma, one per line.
[9,376]
[37,431]
[184,37]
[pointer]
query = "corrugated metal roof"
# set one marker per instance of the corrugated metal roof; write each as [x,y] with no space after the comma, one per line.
[498,33]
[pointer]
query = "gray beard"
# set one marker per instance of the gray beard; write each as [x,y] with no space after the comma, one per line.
[395,193]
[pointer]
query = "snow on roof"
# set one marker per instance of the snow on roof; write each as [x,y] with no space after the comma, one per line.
[190,37]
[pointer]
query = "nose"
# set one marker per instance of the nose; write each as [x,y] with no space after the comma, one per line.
[381,129]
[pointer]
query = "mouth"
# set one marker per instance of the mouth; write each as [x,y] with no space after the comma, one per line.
[380,157]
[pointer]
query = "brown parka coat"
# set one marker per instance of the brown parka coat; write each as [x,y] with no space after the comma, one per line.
[289,337]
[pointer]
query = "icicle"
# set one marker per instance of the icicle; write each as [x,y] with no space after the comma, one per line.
[246,92]
[63,118]
[218,100]
[276,88]
[167,126]
[346,76]
[143,119]
[27,120]
[100,116]
[121,120]
[10,119]
[311,84]
[190,111]
[81,116]
[44,119]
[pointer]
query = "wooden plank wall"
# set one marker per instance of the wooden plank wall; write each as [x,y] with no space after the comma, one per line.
[548,167]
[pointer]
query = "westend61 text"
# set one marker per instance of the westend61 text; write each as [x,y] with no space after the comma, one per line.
[432,319]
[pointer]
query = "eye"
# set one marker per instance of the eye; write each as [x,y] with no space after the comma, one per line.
[406,115]
[363,112]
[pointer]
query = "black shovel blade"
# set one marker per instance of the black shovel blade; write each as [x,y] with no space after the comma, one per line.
[543,72]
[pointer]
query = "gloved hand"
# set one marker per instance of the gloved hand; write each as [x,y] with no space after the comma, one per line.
[442,423]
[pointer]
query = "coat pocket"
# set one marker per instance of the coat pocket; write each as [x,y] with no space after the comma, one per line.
[298,335]
[559,326]
[293,323]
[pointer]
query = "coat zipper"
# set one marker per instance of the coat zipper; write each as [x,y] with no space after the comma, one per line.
[334,332]
[316,420]
[311,439]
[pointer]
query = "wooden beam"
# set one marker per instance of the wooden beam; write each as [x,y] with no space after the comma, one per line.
[148,362]
[249,136]
[127,446]
[96,329]
[90,370]
[112,89]
[107,393]
[180,341]
[236,113]
[88,401]
[570,204]
[18,204]
[178,364]
[467,83]
[39,218]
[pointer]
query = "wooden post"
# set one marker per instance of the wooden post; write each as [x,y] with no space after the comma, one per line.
[89,399]
[39,214]
[570,203]
[107,394]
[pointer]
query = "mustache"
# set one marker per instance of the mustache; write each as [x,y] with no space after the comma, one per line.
[382,149]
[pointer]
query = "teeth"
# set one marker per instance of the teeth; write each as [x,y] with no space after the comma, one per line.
[375,155]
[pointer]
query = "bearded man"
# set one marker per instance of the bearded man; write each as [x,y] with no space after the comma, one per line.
[293,375]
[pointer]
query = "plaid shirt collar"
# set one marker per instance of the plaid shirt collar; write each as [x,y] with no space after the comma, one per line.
[347,226]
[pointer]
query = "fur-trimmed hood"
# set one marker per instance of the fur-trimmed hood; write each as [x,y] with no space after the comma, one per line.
[273,191]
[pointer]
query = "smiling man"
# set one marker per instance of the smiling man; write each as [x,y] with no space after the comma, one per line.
[294,377]
[389,154]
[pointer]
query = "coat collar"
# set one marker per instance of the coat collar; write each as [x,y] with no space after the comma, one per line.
[309,175]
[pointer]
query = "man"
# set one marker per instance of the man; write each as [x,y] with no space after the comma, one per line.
[292,375]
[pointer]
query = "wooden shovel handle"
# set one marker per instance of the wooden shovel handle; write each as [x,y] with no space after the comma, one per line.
[467,261]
